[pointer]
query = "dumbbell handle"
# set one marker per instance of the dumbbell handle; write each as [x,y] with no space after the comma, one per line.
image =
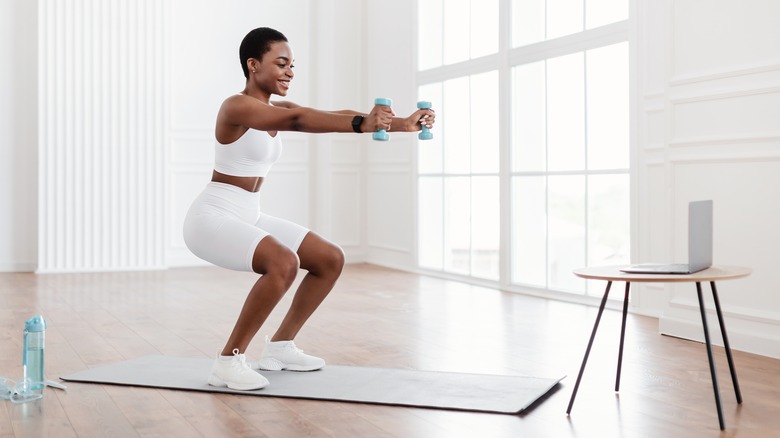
[381,134]
[426,133]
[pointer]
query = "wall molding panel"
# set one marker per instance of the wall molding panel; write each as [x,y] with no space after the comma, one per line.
[716,75]
[102,142]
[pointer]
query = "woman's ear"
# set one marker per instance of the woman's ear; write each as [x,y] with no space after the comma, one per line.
[252,65]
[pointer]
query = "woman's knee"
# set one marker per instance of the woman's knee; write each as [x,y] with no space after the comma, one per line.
[331,261]
[339,258]
[276,261]
[288,265]
[321,257]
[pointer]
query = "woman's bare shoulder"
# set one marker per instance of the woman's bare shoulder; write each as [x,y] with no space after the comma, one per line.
[238,106]
[285,104]
[240,100]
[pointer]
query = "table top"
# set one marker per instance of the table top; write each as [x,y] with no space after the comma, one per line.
[613,273]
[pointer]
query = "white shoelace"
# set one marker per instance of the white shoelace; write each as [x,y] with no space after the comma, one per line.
[288,345]
[292,347]
[239,361]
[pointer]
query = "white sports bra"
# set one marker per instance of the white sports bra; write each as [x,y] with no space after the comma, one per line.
[252,154]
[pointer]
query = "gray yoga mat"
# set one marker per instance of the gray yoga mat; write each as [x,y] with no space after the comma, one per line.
[443,390]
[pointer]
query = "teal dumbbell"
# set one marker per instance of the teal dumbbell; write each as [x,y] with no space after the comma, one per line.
[382,135]
[426,133]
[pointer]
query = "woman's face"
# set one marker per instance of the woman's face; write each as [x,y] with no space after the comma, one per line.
[274,72]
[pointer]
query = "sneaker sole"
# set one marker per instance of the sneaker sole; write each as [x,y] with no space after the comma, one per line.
[269,365]
[303,368]
[277,365]
[216,381]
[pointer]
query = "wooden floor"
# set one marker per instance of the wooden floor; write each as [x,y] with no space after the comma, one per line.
[375,317]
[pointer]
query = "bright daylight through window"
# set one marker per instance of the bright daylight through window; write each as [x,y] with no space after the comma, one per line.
[533,105]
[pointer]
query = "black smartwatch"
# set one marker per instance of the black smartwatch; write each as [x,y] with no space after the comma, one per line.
[356,122]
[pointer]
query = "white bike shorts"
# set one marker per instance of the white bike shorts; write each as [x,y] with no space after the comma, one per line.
[224,225]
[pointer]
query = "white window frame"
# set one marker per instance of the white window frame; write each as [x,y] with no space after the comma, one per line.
[503,61]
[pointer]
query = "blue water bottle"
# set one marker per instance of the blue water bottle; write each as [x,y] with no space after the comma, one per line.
[32,355]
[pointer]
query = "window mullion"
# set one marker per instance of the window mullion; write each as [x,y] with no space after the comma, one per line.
[505,144]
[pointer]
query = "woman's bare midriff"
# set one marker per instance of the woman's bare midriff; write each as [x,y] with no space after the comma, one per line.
[248,183]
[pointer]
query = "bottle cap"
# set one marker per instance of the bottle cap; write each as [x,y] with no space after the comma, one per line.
[35,324]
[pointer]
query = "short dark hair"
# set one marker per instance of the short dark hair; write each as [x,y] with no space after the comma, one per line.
[256,44]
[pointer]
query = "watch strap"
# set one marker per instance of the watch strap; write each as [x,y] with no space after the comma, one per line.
[356,122]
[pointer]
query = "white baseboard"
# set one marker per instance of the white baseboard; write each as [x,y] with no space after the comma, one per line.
[180,258]
[390,258]
[744,334]
[18,266]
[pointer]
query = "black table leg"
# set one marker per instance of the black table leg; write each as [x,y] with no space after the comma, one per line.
[726,343]
[590,344]
[709,355]
[622,336]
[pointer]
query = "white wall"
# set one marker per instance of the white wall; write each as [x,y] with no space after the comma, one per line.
[18,135]
[101,135]
[709,82]
[338,160]
[390,65]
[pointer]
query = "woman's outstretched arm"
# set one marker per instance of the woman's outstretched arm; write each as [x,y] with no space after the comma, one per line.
[242,110]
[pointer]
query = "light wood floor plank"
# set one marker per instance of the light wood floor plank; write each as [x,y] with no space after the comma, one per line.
[209,415]
[6,426]
[149,413]
[91,412]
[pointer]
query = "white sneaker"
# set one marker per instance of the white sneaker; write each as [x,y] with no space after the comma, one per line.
[236,374]
[284,355]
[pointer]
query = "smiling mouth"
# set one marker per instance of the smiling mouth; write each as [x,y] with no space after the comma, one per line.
[285,84]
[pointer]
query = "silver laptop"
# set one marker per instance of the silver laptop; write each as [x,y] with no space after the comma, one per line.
[699,244]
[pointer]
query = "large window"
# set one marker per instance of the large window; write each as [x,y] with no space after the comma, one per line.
[558,112]
[456,31]
[459,179]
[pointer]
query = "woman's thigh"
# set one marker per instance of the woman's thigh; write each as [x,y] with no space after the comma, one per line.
[223,240]
[286,232]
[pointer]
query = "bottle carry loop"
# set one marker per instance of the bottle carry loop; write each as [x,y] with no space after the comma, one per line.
[18,392]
